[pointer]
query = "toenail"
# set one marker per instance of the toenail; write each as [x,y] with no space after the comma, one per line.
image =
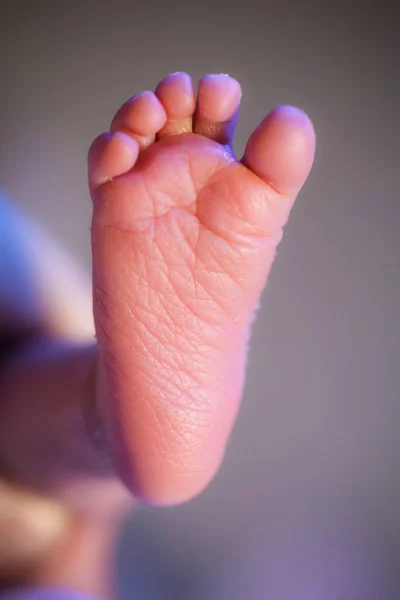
[139,95]
[218,75]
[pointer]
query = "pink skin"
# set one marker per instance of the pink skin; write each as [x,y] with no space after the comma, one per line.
[183,239]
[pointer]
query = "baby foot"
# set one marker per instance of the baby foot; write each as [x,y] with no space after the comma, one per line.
[183,238]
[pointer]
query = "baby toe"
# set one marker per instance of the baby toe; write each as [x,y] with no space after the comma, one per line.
[176,94]
[217,109]
[110,155]
[140,117]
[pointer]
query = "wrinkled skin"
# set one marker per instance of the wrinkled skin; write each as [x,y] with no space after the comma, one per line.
[183,239]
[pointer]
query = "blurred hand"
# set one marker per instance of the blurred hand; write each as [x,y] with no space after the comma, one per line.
[47,357]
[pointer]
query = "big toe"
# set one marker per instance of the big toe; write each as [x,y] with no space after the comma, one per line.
[281,150]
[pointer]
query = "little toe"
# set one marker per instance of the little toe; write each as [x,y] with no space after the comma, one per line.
[110,155]
[141,117]
[176,94]
[218,102]
[281,150]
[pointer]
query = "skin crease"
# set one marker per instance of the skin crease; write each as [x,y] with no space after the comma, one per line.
[194,232]
[95,430]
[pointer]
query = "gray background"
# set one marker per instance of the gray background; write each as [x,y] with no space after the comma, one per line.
[307,502]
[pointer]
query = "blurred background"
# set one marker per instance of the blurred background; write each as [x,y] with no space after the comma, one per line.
[306,505]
